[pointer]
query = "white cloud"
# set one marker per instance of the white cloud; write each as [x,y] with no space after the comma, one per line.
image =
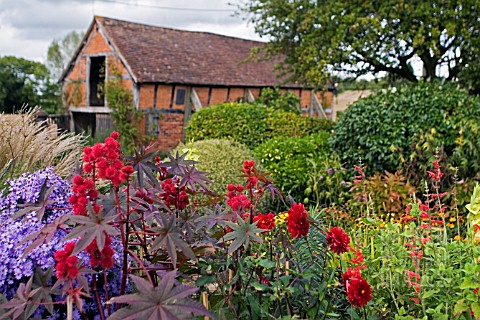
[27,27]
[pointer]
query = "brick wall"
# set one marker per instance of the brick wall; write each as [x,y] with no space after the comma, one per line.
[236,94]
[160,96]
[202,93]
[219,95]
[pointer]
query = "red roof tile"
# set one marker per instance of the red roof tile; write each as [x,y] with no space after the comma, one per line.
[157,54]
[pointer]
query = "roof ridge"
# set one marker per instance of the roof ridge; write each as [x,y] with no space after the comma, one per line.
[99,18]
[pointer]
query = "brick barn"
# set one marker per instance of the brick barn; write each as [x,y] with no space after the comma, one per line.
[171,73]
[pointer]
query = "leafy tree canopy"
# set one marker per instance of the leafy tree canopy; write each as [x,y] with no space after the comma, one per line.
[358,37]
[25,82]
[61,51]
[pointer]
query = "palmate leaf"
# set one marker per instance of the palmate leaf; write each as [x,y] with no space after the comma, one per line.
[38,206]
[20,306]
[191,176]
[109,202]
[94,226]
[187,222]
[274,190]
[165,302]
[178,164]
[142,163]
[45,234]
[171,238]
[242,234]
[41,281]
[215,216]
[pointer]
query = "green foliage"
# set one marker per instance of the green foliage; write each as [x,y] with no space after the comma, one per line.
[60,52]
[279,278]
[328,182]
[286,101]
[25,82]
[387,193]
[250,124]
[125,117]
[447,273]
[407,128]
[222,170]
[415,268]
[359,37]
[290,160]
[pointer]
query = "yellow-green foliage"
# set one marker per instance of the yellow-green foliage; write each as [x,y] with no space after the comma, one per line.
[26,145]
[251,124]
[222,159]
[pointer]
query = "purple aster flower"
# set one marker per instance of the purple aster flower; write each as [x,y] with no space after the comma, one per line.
[24,189]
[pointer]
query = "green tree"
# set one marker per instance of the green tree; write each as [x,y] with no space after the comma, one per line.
[61,51]
[358,37]
[25,82]
[285,101]
[125,117]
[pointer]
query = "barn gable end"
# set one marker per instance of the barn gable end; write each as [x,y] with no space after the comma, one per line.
[171,74]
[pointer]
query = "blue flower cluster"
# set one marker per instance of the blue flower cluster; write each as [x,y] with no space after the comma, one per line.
[24,189]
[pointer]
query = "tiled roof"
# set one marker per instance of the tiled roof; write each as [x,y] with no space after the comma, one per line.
[157,54]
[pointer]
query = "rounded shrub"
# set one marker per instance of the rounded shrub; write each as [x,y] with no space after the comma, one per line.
[408,127]
[251,124]
[222,159]
[290,160]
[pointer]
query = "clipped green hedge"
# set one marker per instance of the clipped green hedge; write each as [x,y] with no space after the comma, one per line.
[222,159]
[291,160]
[251,124]
[404,129]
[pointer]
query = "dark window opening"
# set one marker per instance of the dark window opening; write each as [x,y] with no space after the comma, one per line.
[97,81]
[180,97]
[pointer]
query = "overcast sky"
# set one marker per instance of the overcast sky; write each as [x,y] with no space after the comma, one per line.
[27,27]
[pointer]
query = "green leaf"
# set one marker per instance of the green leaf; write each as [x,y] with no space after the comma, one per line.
[242,234]
[259,286]
[267,264]
[460,307]
[476,310]
[428,294]
[203,280]
[468,284]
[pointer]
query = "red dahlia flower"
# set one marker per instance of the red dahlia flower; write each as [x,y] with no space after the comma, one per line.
[359,291]
[351,273]
[297,223]
[265,221]
[338,240]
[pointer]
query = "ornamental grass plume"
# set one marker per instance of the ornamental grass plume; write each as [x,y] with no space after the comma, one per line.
[27,145]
